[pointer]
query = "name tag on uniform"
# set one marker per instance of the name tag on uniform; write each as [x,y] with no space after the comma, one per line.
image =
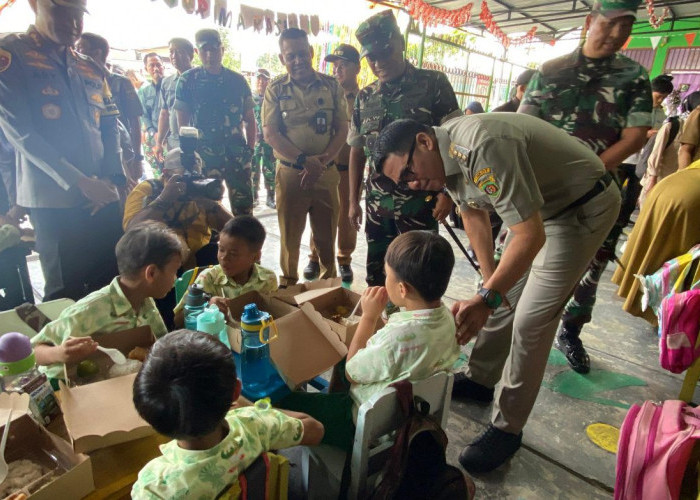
[284,97]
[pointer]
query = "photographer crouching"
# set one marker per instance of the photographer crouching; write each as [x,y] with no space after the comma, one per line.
[186,202]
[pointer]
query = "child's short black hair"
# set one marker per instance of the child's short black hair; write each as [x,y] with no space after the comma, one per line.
[185,387]
[424,260]
[247,228]
[145,244]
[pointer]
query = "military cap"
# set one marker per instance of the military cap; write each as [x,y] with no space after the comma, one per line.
[376,32]
[616,8]
[344,52]
[263,73]
[71,4]
[207,36]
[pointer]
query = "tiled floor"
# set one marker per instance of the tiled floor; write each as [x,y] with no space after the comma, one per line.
[557,459]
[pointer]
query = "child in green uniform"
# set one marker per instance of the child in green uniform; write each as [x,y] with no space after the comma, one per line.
[416,342]
[148,257]
[185,390]
[238,272]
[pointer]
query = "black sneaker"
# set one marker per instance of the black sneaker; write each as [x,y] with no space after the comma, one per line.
[490,450]
[572,347]
[346,273]
[312,270]
[464,388]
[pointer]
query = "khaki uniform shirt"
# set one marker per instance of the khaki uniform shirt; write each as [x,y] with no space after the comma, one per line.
[215,282]
[691,133]
[515,163]
[106,310]
[344,154]
[304,115]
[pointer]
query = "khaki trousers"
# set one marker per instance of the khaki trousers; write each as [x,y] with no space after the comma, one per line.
[320,202]
[513,347]
[347,236]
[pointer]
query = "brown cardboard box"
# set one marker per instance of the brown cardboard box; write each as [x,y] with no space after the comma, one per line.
[326,300]
[101,414]
[287,294]
[306,346]
[28,440]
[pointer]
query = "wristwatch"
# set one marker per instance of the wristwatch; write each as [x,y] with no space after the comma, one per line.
[301,159]
[491,298]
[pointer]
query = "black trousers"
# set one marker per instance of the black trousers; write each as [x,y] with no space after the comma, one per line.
[76,249]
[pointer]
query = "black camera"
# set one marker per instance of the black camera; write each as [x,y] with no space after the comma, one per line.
[198,186]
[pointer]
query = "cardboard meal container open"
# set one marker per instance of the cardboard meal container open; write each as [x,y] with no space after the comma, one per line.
[65,474]
[287,294]
[101,414]
[327,300]
[306,346]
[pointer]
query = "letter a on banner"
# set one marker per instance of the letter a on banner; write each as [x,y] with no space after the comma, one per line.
[655,41]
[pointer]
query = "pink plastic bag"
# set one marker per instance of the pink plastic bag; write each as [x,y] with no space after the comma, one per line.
[680,324]
[653,451]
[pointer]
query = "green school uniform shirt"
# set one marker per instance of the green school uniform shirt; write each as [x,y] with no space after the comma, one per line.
[203,474]
[106,310]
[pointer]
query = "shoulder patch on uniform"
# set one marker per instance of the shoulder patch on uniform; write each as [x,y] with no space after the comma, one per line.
[481,173]
[5,60]
[488,184]
[459,153]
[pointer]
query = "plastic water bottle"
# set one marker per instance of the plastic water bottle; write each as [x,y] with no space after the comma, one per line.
[195,302]
[213,322]
[18,373]
[257,372]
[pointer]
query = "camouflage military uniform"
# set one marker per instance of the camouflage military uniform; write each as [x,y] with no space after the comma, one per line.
[593,100]
[262,154]
[422,95]
[217,104]
[150,100]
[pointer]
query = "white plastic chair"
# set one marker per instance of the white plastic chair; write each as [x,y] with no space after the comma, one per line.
[11,322]
[322,466]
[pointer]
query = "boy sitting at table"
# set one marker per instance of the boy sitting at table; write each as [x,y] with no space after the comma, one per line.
[238,272]
[415,343]
[185,390]
[148,257]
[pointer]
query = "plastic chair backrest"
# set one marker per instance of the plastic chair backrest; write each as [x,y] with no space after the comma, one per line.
[184,281]
[11,322]
[378,417]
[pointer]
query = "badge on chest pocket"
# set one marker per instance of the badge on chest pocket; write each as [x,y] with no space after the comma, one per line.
[321,122]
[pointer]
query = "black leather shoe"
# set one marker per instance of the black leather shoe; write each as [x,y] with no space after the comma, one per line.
[346,273]
[490,450]
[271,200]
[464,388]
[573,349]
[312,270]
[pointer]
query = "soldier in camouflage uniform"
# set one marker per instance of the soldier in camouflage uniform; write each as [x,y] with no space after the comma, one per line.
[400,91]
[604,99]
[262,154]
[217,101]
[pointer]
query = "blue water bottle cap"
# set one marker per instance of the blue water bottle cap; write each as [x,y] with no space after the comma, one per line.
[251,314]
[196,296]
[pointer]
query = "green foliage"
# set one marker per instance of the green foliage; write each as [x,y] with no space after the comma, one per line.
[271,62]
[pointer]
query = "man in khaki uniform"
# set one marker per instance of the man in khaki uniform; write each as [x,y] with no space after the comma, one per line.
[305,121]
[558,202]
[346,66]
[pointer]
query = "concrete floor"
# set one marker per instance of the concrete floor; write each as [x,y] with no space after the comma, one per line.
[557,459]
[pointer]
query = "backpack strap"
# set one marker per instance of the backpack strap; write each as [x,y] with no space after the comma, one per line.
[675,128]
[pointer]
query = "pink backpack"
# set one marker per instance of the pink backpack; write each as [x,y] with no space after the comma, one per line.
[679,325]
[653,450]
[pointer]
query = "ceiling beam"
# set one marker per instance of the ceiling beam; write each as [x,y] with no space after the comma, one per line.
[511,8]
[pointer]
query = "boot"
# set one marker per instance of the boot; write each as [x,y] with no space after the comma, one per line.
[271,199]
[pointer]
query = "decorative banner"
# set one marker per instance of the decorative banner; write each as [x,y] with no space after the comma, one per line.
[171,3]
[203,8]
[690,38]
[655,41]
[433,16]
[627,42]
[5,4]
[189,6]
[656,22]
[487,18]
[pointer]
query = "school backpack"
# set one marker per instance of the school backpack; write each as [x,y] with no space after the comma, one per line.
[417,467]
[679,326]
[656,441]
[641,166]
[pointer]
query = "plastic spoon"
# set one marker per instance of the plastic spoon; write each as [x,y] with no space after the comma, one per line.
[4,468]
[115,355]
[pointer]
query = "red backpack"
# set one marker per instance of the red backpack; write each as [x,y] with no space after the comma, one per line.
[654,448]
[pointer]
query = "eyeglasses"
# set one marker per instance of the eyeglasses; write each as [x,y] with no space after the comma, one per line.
[407,175]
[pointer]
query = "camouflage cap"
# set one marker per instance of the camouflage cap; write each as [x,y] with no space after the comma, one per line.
[263,73]
[616,8]
[344,52]
[72,4]
[375,33]
[207,36]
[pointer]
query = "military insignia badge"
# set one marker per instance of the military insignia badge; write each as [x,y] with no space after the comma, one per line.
[490,188]
[459,153]
[5,60]
[51,111]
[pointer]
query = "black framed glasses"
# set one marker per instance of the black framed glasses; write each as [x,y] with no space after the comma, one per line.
[407,175]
